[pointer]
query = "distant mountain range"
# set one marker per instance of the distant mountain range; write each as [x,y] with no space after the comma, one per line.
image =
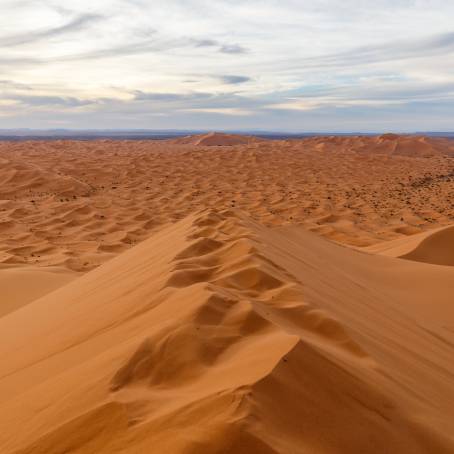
[147,134]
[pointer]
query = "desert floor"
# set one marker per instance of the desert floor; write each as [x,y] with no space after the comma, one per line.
[227,294]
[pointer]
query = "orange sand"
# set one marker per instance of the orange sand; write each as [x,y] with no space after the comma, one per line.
[233,328]
[21,285]
[78,204]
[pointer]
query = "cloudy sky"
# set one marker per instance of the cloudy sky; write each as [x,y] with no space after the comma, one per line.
[290,65]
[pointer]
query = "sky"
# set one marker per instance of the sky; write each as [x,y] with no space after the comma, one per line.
[276,65]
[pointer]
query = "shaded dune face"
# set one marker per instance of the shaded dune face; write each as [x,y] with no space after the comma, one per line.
[437,248]
[219,334]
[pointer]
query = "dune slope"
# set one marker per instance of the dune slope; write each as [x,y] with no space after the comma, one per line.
[436,247]
[22,285]
[219,335]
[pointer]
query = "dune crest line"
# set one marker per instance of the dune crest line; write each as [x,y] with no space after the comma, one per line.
[219,334]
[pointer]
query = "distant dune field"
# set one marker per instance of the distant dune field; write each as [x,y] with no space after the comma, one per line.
[77,204]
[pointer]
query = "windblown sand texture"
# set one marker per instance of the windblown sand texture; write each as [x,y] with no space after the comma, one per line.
[227,320]
[78,204]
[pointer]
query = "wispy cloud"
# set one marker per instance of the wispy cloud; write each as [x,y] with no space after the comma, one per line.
[171,97]
[234,80]
[49,101]
[77,24]
[232,111]
[232,49]
[435,45]
[10,84]
[223,47]
[205,43]
[372,93]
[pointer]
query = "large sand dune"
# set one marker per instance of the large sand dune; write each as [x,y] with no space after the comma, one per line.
[214,313]
[215,139]
[220,335]
[436,247]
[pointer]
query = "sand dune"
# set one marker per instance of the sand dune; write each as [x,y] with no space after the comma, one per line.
[24,284]
[389,144]
[215,139]
[226,294]
[78,204]
[19,178]
[436,247]
[219,334]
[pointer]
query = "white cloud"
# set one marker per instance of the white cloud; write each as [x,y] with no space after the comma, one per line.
[220,110]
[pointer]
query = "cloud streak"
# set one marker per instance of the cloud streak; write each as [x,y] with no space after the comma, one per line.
[442,44]
[49,101]
[234,80]
[75,25]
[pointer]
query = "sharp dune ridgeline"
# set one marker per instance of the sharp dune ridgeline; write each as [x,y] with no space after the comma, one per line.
[227,296]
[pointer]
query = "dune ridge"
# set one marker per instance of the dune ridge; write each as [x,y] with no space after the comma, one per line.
[435,247]
[216,139]
[219,334]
